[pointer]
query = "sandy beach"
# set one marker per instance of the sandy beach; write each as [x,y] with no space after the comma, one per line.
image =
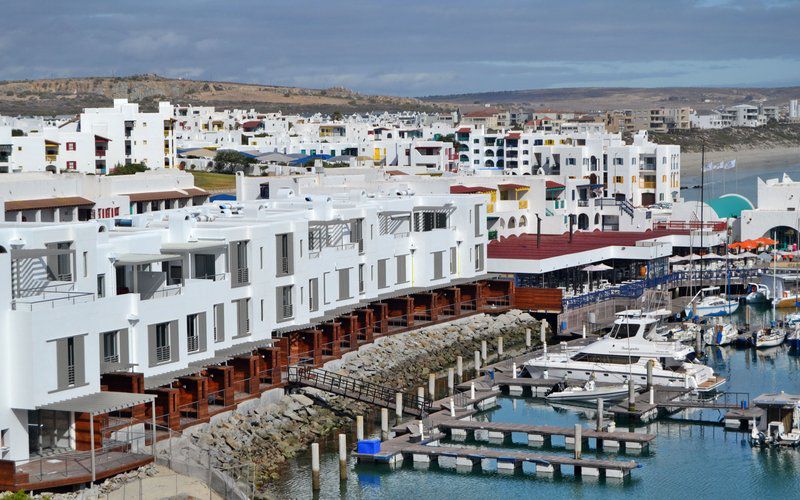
[749,159]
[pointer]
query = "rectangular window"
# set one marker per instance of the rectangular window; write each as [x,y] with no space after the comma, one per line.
[111,347]
[261,315]
[85,264]
[72,165]
[479,257]
[382,273]
[163,353]
[477,220]
[101,286]
[453,260]
[283,297]
[284,264]
[219,322]
[361,278]
[71,361]
[401,269]
[70,146]
[438,273]
[192,333]
[313,294]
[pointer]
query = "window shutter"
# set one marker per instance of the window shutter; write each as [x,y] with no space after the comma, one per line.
[61,362]
[233,260]
[279,303]
[437,265]
[80,360]
[124,349]
[290,252]
[344,284]
[151,345]
[382,273]
[174,342]
[220,310]
[401,268]
[201,321]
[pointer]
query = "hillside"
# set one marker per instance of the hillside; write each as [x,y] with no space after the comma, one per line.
[597,99]
[71,95]
[774,135]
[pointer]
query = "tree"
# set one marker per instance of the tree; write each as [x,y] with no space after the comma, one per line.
[227,159]
[336,116]
[129,169]
[15,132]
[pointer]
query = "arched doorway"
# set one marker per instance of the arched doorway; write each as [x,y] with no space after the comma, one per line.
[785,236]
[512,223]
[583,221]
[596,219]
[489,164]
[523,221]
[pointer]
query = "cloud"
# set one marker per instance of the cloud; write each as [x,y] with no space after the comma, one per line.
[150,43]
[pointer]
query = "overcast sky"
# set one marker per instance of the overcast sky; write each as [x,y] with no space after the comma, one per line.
[410,47]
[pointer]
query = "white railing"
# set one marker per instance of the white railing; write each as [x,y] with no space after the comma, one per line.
[50,299]
[284,265]
[113,358]
[162,292]
[404,234]
[213,277]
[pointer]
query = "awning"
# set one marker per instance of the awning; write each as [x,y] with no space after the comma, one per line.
[216,360]
[56,202]
[167,378]
[139,259]
[243,348]
[195,191]
[99,402]
[193,246]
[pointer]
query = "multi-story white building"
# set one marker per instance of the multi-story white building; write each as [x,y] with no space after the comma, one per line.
[166,291]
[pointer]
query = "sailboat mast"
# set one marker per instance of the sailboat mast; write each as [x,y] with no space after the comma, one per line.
[702,207]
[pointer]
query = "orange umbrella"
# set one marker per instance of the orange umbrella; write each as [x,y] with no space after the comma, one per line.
[735,246]
[748,245]
[765,241]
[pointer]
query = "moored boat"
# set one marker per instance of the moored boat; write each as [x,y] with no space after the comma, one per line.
[721,334]
[757,293]
[709,302]
[772,336]
[589,392]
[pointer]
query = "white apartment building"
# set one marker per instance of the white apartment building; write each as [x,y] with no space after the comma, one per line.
[161,292]
[741,115]
[777,214]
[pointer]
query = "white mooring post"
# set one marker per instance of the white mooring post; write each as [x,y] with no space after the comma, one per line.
[578,441]
[432,385]
[452,408]
[484,350]
[450,380]
[528,338]
[583,333]
[472,390]
[513,370]
[599,425]
[315,466]
[460,369]
[499,346]
[652,395]
[477,362]
[360,427]
[398,405]
[343,457]
[384,424]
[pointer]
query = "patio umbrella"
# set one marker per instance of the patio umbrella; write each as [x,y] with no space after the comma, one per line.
[747,255]
[765,241]
[677,258]
[711,256]
[748,245]
[766,257]
[602,267]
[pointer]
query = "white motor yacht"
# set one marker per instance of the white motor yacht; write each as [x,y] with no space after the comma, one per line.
[757,293]
[709,302]
[624,353]
[721,334]
[772,336]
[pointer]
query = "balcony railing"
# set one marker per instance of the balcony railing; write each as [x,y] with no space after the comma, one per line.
[161,293]
[193,343]
[242,276]
[647,184]
[283,263]
[111,358]
[71,374]
[287,310]
[523,204]
[162,353]
[212,277]
[99,152]
[49,299]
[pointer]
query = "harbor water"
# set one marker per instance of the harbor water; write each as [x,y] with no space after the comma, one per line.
[688,459]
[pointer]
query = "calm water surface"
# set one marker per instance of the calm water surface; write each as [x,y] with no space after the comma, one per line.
[687,460]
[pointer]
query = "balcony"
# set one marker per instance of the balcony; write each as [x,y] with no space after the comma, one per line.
[50,158]
[168,291]
[49,299]
[647,184]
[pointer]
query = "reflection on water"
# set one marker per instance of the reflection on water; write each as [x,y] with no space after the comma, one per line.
[687,459]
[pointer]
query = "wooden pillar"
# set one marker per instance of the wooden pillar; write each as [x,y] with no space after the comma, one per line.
[246,372]
[83,432]
[220,383]
[348,339]
[269,370]
[331,339]
[366,325]
[380,312]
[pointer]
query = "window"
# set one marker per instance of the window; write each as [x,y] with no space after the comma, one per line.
[111,347]
[242,317]
[162,343]
[71,361]
[101,286]
[284,302]
[361,278]
[313,294]
[401,269]
[72,165]
[240,274]
[453,260]
[479,257]
[283,244]
[85,264]
[192,333]
[70,146]
[382,273]
[438,273]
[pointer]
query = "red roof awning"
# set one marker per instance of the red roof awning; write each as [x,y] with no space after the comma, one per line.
[515,135]
[100,138]
[56,202]
[464,130]
[251,124]
[513,186]
[554,185]
[469,189]
[396,172]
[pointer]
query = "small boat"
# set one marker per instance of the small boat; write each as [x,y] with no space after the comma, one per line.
[758,293]
[769,337]
[787,300]
[792,319]
[793,339]
[588,392]
[684,332]
[775,435]
[709,302]
[721,334]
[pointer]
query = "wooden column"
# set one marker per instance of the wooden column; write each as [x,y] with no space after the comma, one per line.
[245,373]
[193,396]
[83,437]
[331,337]
[365,326]
[126,382]
[269,369]
[166,406]
[349,333]
[380,311]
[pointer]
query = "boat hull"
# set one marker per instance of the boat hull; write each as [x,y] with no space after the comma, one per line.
[605,394]
[710,311]
[788,303]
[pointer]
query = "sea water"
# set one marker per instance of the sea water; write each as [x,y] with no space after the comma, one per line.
[688,459]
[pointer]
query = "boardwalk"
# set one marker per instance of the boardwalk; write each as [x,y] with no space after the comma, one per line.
[545,430]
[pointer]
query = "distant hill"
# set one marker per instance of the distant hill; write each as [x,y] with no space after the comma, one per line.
[71,95]
[603,98]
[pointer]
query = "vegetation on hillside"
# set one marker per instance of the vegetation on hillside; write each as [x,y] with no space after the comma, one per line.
[770,135]
[214,182]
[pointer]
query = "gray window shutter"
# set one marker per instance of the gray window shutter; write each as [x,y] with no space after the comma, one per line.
[174,342]
[477,220]
[382,273]
[201,320]
[151,345]
[401,268]
[61,362]
[124,349]
[80,360]
[313,285]
[233,259]
[344,284]
[220,309]
[290,252]
[453,260]
[437,265]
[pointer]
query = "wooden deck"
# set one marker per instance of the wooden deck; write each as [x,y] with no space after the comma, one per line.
[545,430]
[59,471]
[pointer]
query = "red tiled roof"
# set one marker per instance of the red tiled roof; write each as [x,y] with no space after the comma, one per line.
[556,245]
[553,185]
[514,135]
[396,172]
[483,113]
[469,189]
[513,186]
[464,130]
[251,124]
